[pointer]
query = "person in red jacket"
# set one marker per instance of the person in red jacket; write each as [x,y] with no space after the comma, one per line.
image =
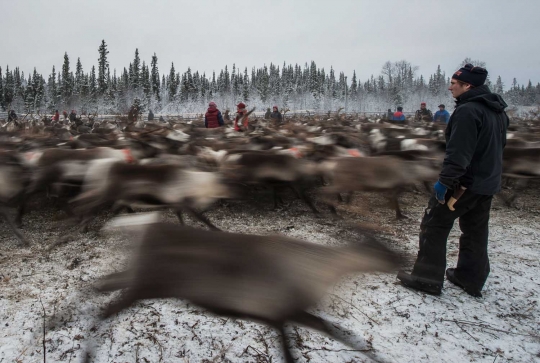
[241,110]
[213,117]
[56,116]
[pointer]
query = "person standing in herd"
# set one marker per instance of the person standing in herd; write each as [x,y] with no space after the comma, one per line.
[398,115]
[442,115]
[241,111]
[423,113]
[276,116]
[213,117]
[471,175]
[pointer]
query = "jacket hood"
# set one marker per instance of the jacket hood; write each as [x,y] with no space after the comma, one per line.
[483,95]
[212,109]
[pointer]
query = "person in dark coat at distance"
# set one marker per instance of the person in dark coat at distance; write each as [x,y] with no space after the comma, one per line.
[12,116]
[133,113]
[72,116]
[213,117]
[471,175]
[423,113]
[398,115]
[241,110]
[267,114]
[389,115]
[442,115]
[56,116]
[150,115]
[276,116]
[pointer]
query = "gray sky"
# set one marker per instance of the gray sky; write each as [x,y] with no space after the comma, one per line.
[208,34]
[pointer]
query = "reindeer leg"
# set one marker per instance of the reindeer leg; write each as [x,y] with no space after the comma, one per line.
[125,301]
[340,198]
[394,202]
[284,343]
[307,200]
[427,185]
[334,331]
[349,198]
[16,232]
[21,209]
[202,218]
[276,197]
[179,215]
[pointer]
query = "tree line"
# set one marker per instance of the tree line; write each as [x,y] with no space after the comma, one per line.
[292,86]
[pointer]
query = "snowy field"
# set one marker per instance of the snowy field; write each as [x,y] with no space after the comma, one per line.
[400,325]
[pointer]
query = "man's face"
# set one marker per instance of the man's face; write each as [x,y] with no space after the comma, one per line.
[441,108]
[422,106]
[457,88]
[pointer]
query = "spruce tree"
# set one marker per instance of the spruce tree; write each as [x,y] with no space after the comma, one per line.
[53,91]
[67,84]
[2,104]
[92,84]
[136,71]
[155,78]
[172,85]
[499,87]
[103,66]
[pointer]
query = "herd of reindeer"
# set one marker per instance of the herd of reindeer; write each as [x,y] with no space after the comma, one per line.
[94,165]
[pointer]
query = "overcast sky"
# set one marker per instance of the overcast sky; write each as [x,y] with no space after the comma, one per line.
[206,35]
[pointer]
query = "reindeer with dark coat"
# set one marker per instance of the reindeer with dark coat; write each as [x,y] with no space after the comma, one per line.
[269,279]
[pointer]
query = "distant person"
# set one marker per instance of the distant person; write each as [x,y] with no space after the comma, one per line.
[389,115]
[72,116]
[276,115]
[133,113]
[12,116]
[213,117]
[442,115]
[65,114]
[398,115]
[241,111]
[423,113]
[267,114]
[56,116]
[161,119]
[150,115]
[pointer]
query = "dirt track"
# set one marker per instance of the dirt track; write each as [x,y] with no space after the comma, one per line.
[401,325]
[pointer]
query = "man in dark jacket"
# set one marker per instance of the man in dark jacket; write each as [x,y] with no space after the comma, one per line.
[472,169]
[213,118]
[72,116]
[423,113]
[150,115]
[276,115]
[12,116]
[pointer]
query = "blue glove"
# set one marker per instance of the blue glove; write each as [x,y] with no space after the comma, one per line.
[440,191]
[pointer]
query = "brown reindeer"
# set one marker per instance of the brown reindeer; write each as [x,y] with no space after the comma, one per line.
[269,279]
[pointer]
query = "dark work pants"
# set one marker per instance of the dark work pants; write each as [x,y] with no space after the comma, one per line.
[473,263]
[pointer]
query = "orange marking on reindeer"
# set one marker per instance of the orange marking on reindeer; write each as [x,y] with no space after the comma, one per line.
[128,155]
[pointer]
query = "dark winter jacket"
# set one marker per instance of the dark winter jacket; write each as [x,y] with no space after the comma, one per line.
[72,117]
[398,116]
[12,116]
[441,116]
[475,139]
[423,114]
[150,116]
[276,115]
[213,118]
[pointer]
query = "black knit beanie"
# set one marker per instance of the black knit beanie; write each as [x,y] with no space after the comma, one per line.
[475,76]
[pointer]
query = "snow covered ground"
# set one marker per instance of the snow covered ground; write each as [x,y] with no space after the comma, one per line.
[401,325]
